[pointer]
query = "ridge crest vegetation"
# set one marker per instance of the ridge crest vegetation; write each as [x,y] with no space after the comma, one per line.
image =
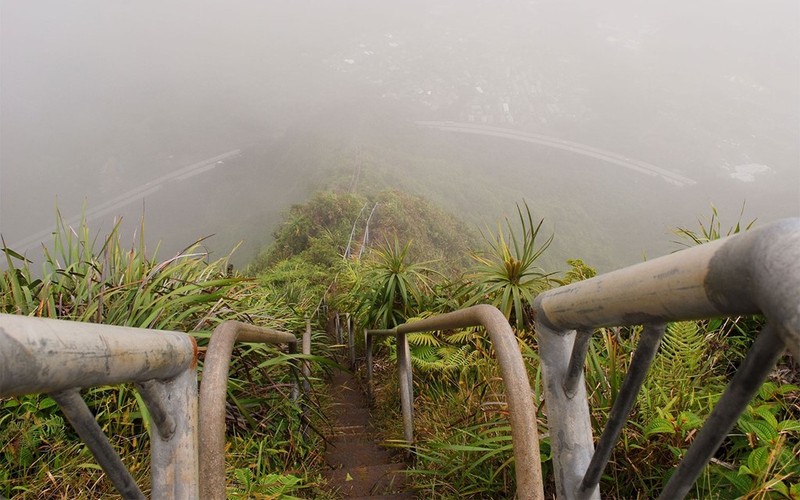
[386,258]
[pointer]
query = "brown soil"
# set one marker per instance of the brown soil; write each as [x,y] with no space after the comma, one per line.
[359,467]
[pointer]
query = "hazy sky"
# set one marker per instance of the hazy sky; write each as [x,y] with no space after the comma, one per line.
[99,98]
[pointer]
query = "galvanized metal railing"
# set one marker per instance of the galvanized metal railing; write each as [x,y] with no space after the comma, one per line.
[521,409]
[60,358]
[213,390]
[754,272]
[343,328]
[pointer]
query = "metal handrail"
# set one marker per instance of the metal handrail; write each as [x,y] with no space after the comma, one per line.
[58,357]
[213,390]
[521,409]
[339,331]
[754,272]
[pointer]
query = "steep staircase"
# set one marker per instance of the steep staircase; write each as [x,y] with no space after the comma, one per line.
[359,467]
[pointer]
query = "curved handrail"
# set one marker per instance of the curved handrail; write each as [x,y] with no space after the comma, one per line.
[214,388]
[522,411]
[59,357]
[753,272]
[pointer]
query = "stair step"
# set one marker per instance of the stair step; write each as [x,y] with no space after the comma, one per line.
[360,468]
[352,436]
[352,415]
[356,453]
[352,430]
[366,480]
[388,496]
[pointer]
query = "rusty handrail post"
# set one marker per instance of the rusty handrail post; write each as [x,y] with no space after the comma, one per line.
[58,357]
[306,364]
[368,363]
[522,411]
[406,387]
[404,373]
[753,272]
[213,391]
[351,342]
[338,325]
[305,374]
[368,343]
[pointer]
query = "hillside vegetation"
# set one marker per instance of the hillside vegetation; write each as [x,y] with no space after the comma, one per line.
[387,257]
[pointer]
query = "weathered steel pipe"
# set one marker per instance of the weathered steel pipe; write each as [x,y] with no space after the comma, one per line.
[39,355]
[306,371]
[522,411]
[351,342]
[753,272]
[574,374]
[156,396]
[338,324]
[405,374]
[649,340]
[368,362]
[368,343]
[80,416]
[55,356]
[214,388]
[567,414]
[174,466]
[406,387]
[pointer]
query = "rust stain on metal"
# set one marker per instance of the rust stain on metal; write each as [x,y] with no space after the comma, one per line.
[195,352]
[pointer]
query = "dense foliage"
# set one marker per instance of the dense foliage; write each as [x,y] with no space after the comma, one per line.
[462,429]
[84,279]
[387,258]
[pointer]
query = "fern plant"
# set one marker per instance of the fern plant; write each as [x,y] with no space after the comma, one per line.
[682,376]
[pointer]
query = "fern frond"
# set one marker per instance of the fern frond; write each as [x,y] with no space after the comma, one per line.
[461,337]
[424,338]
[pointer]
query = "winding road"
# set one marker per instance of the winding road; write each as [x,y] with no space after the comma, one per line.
[132,195]
[556,143]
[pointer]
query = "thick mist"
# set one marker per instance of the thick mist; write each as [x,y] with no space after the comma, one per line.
[616,121]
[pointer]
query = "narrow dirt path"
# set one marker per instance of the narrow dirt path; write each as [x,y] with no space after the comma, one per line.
[359,467]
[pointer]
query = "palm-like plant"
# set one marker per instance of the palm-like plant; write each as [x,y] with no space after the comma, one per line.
[506,276]
[392,285]
[712,231]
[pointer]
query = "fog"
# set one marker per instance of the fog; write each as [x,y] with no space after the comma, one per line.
[616,121]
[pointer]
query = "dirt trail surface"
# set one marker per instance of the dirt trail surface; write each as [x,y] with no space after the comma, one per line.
[359,467]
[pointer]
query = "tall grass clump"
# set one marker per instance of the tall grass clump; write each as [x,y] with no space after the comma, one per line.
[84,277]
